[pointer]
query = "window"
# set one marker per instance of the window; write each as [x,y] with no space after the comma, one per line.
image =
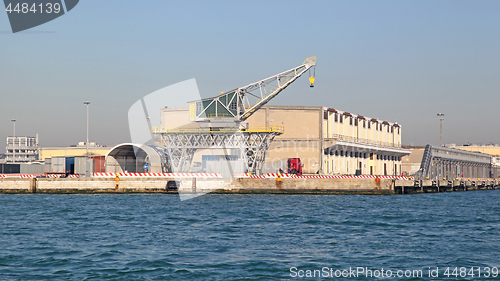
[325,115]
[364,124]
[388,128]
[198,106]
[350,121]
[234,106]
[356,122]
[392,130]
[341,119]
[336,117]
[371,154]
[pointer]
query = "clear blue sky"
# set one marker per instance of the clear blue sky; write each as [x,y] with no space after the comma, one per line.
[399,61]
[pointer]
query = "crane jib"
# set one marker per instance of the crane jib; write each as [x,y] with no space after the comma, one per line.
[241,103]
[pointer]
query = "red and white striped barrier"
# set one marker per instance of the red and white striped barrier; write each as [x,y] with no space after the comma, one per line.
[275,175]
[206,175]
[159,175]
[18,176]
[35,175]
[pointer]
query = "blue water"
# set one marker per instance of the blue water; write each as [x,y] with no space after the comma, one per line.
[244,237]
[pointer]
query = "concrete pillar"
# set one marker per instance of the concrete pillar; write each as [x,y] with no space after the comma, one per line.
[33,183]
[193,185]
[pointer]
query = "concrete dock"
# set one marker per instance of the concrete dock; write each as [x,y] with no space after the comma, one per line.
[240,185]
[425,186]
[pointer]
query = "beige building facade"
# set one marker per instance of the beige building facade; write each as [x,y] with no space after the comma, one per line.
[411,163]
[330,141]
[491,149]
[50,152]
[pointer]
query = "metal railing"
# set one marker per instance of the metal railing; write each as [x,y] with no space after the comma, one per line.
[224,130]
[366,141]
[215,115]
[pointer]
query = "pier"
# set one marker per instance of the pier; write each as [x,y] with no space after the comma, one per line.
[270,183]
[426,186]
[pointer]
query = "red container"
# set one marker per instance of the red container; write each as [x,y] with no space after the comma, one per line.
[99,164]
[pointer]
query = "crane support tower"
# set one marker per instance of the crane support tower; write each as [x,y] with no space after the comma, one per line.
[222,125]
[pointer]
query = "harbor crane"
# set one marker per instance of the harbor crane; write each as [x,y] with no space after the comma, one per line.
[222,123]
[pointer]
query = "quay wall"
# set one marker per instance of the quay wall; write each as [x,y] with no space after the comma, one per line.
[99,185]
[238,185]
[12,185]
[311,185]
[219,185]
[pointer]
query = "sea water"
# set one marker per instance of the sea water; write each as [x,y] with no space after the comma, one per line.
[250,237]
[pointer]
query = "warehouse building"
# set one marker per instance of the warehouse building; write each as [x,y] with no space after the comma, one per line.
[491,149]
[72,159]
[330,141]
[75,150]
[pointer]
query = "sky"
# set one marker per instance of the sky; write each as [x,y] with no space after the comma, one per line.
[400,61]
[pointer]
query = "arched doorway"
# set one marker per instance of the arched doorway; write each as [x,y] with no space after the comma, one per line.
[131,158]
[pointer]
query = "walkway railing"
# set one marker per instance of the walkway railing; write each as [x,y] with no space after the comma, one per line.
[366,141]
[263,129]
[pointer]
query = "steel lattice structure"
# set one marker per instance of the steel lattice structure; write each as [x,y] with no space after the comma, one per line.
[440,162]
[250,146]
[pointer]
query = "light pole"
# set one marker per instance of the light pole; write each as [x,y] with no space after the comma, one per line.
[440,116]
[14,142]
[87,168]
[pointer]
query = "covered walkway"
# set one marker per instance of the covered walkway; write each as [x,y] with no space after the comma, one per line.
[134,158]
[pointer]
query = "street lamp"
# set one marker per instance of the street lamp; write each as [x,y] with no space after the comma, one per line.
[14,142]
[87,168]
[440,116]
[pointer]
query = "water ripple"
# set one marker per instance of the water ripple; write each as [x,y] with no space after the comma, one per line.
[241,237]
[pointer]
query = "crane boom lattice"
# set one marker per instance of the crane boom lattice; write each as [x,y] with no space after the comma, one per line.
[239,104]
